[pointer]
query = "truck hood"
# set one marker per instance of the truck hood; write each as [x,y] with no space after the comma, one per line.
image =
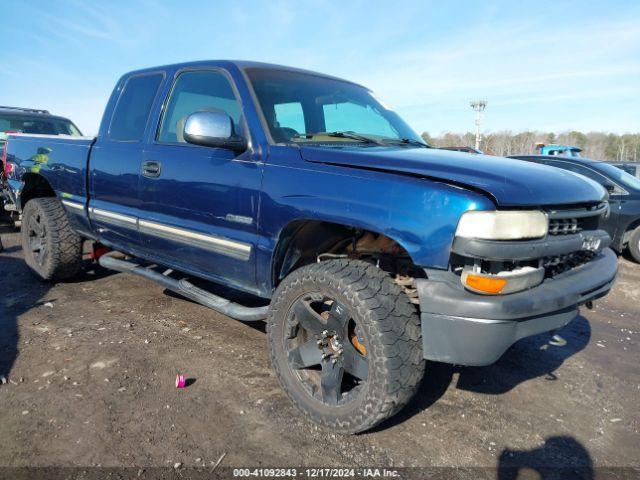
[510,182]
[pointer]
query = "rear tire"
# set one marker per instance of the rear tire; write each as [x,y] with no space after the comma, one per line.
[634,244]
[52,249]
[353,314]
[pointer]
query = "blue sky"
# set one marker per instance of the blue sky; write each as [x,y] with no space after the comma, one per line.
[555,65]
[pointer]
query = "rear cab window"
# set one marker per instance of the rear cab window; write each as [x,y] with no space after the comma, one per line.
[131,112]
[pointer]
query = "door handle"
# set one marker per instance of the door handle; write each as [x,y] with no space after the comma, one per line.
[151,169]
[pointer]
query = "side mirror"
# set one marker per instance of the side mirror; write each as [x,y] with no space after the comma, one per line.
[212,129]
[610,187]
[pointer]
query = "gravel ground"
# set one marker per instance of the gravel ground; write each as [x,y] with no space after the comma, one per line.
[91,366]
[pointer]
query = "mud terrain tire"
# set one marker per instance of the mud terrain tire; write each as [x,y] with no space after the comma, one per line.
[388,328]
[52,249]
[634,244]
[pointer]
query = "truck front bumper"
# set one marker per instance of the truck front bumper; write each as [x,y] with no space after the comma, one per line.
[465,328]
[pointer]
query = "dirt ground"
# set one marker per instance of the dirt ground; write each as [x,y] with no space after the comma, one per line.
[91,367]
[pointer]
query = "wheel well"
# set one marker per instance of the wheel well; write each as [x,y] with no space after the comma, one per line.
[307,241]
[633,225]
[35,186]
[629,230]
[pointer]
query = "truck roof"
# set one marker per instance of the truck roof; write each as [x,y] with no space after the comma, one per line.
[240,64]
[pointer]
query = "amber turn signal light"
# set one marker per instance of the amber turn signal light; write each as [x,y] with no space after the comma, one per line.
[484,284]
[502,283]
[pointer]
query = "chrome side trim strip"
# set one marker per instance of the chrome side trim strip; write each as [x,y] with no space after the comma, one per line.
[239,250]
[114,218]
[223,246]
[73,205]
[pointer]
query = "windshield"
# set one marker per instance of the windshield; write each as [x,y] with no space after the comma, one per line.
[618,175]
[306,108]
[40,125]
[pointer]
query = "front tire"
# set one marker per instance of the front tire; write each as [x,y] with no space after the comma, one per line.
[634,244]
[52,249]
[345,344]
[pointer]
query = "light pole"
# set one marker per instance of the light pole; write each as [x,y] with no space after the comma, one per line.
[478,106]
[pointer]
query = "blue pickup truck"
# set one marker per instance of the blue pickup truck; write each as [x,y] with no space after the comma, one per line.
[365,250]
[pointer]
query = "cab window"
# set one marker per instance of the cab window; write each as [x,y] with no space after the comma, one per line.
[339,117]
[132,110]
[291,116]
[302,107]
[194,92]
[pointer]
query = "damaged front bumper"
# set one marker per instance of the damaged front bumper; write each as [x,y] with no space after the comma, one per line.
[465,328]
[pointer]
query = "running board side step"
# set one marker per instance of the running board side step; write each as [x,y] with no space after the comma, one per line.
[186,289]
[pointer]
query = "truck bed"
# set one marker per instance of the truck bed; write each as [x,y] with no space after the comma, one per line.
[61,159]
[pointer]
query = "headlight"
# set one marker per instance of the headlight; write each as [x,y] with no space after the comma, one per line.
[503,225]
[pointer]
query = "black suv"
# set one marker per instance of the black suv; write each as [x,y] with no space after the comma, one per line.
[623,224]
[31,120]
[27,120]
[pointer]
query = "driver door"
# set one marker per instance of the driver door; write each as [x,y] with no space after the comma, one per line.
[200,204]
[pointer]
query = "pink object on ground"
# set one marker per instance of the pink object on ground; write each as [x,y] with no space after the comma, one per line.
[180,381]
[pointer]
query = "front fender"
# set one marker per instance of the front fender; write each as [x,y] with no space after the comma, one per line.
[419,214]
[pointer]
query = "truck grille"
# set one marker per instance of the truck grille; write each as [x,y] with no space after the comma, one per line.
[561,263]
[568,222]
[563,226]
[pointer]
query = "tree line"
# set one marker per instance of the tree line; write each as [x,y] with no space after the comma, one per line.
[596,145]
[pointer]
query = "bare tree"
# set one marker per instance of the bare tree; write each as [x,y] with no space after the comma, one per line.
[598,145]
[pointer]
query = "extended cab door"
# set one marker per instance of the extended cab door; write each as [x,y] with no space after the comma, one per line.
[200,204]
[115,162]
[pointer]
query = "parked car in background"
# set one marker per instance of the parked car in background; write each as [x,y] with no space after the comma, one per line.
[368,250]
[623,223]
[629,167]
[32,121]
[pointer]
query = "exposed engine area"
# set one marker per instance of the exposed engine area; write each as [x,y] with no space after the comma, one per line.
[383,252]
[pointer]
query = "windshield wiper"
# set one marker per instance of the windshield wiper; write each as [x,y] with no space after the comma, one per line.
[346,134]
[407,141]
